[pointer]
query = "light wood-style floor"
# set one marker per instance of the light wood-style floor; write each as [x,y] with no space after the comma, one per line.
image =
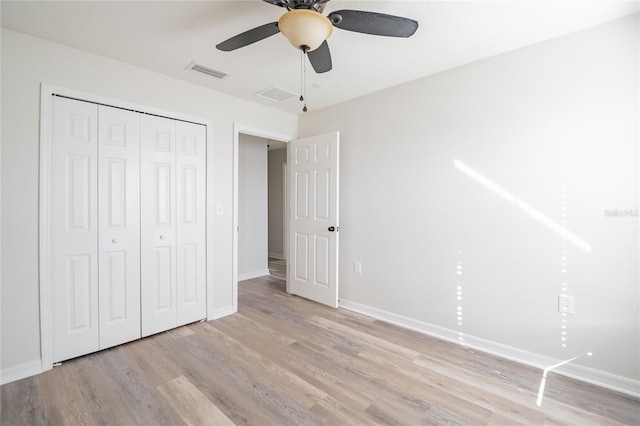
[284,360]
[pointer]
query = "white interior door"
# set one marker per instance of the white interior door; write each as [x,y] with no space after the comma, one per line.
[191,214]
[119,225]
[313,221]
[158,224]
[74,229]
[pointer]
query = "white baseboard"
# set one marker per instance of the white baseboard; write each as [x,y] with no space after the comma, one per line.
[602,378]
[221,312]
[254,274]
[278,256]
[578,372]
[21,371]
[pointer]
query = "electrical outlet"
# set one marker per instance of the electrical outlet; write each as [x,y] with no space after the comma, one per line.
[565,304]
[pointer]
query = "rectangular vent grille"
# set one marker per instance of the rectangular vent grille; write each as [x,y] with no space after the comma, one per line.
[206,70]
[275,94]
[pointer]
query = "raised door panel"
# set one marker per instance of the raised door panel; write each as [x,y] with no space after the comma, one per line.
[302,191]
[301,256]
[158,224]
[322,254]
[119,225]
[190,216]
[74,229]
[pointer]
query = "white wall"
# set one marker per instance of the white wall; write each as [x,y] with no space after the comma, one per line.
[252,207]
[26,63]
[472,168]
[277,158]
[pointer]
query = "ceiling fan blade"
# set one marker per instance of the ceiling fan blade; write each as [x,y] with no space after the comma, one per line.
[248,37]
[281,3]
[373,23]
[320,58]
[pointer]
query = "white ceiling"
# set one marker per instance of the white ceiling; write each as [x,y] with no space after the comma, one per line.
[167,36]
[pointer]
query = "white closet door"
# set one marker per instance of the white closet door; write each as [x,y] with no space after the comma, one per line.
[119,225]
[74,228]
[158,224]
[190,195]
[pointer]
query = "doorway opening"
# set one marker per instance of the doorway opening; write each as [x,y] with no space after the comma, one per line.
[261,196]
[277,197]
[259,212]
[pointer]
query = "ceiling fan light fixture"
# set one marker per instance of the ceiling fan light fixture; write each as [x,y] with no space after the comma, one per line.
[305,29]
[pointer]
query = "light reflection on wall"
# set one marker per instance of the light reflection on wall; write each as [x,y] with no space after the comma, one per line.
[558,228]
[525,207]
[563,271]
[459,312]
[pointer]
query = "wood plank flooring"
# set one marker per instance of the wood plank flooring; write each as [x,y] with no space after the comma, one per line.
[283,360]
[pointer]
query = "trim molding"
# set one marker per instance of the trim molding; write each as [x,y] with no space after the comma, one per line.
[253,274]
[21,371]
[221,312]
[574,371]
[279,256]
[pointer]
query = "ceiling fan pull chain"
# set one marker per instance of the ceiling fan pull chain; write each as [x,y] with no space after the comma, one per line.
[304,68]
[301,78]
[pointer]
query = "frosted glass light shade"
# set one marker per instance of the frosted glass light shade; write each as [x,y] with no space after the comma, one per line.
[305,28]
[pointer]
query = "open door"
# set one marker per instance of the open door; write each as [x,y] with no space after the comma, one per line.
[313,218]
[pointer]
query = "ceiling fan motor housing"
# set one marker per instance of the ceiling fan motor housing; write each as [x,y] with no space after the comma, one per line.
[317,5]
[305,29]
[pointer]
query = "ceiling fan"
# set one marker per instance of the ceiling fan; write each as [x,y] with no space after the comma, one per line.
[307,28]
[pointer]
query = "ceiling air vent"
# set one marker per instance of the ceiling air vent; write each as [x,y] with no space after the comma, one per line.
[208,71]
[275,94]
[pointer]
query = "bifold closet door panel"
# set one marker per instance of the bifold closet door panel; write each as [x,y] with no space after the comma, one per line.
[191,216]
[74,228]
[158,224]
[119,225]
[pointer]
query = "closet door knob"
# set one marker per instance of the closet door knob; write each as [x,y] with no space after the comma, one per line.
[115,241]
[162,237]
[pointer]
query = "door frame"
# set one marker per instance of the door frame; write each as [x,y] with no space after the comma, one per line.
[261,133]
[285,209]
[44,197]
